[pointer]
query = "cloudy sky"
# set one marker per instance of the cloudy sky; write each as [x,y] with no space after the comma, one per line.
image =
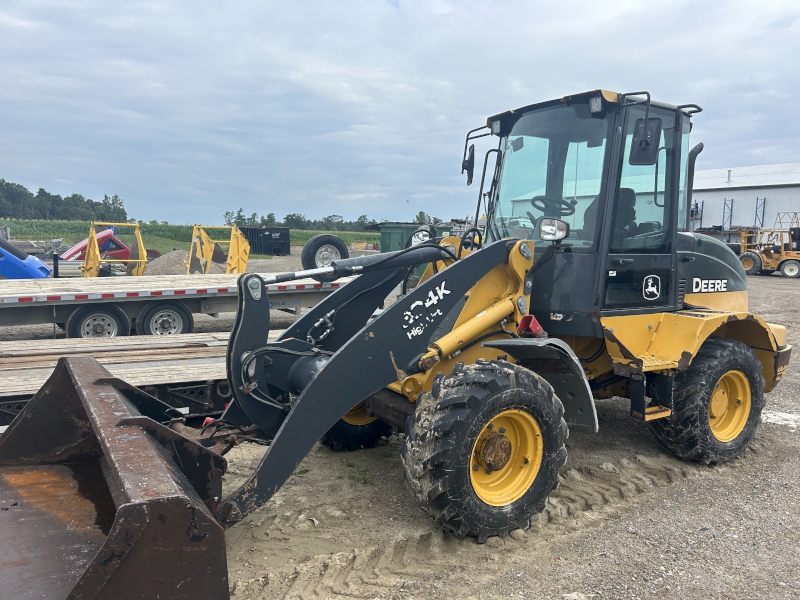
[189,109]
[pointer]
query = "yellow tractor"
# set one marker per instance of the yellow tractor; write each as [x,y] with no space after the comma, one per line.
[585,284]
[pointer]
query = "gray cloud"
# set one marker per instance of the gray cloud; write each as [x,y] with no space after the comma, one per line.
[189,110]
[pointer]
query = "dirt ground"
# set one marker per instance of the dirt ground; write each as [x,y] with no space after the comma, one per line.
[628,521]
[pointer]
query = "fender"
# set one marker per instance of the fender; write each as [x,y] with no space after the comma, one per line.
[555,361]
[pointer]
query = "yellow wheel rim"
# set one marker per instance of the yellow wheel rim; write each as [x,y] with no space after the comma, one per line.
[730,404]
[358,415]
[747,263]
[506,457]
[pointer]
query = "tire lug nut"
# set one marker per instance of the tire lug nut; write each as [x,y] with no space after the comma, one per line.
[488,472]
[476,468]
[502,430]
[526,460]
[491,426]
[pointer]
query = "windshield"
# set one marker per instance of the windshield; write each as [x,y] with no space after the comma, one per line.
[553,167]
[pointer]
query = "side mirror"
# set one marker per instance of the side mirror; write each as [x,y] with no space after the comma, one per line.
[646,139]
[553,230]
[468,164]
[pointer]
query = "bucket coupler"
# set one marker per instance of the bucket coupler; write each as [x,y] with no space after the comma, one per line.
[298,387]
[101,499]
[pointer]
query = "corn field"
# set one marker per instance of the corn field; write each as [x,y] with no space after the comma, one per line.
[77,230]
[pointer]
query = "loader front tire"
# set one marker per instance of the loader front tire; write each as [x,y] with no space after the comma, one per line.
[356,430]
[717,404]
[484,449]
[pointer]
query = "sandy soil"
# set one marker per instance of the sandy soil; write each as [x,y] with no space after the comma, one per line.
[628,521]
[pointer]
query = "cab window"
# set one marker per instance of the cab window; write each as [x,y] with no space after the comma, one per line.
[643,202]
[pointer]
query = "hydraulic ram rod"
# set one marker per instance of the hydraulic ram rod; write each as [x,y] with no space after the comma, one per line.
[423,253]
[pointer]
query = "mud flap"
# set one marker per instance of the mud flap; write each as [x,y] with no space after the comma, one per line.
[94,499]
[555,361]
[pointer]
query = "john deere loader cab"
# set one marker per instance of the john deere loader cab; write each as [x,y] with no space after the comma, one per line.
[585,285]
[614,169]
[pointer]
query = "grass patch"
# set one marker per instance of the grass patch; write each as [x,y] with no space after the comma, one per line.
[299,236]
[359,475]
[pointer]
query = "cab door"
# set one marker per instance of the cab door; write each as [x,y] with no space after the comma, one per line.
[640,262]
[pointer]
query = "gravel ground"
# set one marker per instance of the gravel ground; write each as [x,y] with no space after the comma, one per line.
[628,521]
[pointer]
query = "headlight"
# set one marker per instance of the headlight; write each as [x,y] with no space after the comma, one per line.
[595,104]
[552,230]
[496,127]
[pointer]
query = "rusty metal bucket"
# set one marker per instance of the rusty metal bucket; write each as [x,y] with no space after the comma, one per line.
[99,499]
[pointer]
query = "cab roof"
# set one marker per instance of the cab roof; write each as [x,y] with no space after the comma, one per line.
[608,96]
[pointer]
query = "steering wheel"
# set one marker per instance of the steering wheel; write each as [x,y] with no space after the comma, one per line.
[553,207]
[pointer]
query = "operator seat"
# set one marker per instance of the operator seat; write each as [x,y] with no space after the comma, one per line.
[626,209]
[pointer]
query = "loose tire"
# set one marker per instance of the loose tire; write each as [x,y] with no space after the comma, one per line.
[718,404]
[356,430]
[98,321]
[320,251]
[484,449]
[165,318]
[751,263]
[790,269]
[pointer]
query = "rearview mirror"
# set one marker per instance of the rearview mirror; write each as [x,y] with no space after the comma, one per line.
[553,230]
[468,164]
[646,139]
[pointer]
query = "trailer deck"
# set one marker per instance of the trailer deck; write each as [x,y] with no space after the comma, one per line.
[28,302]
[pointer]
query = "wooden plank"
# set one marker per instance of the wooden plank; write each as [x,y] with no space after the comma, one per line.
[68,345]
[156,360]
[28,381]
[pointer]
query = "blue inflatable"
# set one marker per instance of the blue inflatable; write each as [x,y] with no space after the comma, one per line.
[15,264]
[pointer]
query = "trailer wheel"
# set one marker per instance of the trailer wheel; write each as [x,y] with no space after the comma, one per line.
[718,402]
[484,449]
[356,430]
[98,321]
[751,263]
[165,318]
[790,269]
[320,251]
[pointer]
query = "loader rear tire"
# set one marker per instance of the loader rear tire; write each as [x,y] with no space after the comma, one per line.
[751,262]
[356,430]
[718,402]
[484,449]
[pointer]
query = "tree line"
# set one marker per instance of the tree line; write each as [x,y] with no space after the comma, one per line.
[298,221]
[17,202]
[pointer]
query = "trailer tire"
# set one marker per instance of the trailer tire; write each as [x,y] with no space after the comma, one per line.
[320,250]
[98,321]
[790,269]
[464,471]
[751,262]
[165,318]
[724,378]
[356,430]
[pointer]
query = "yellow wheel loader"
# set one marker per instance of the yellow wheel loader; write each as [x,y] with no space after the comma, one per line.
[584,284]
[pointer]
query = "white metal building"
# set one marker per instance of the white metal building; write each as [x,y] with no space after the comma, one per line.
[746,196]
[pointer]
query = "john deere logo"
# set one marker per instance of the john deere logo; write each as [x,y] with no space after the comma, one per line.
[651,288]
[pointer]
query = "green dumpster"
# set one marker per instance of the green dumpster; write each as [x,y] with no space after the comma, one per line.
[395,235]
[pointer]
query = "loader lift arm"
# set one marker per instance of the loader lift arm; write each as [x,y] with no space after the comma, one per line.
[372,356]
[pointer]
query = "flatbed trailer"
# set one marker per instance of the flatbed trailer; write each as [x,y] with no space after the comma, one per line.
[115,306]
[187,371]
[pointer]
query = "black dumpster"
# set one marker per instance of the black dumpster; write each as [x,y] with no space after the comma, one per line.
[268,240]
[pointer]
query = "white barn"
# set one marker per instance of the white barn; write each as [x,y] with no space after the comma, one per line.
[746,196]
